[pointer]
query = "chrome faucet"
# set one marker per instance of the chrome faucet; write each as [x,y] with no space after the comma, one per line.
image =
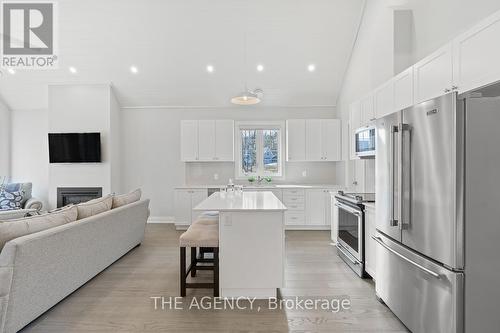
[259,180]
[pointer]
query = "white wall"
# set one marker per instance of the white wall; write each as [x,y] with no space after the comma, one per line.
[30,154]
[151,151]
[115,143]
[5,137]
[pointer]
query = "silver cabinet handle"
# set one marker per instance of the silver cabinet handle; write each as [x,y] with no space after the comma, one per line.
[428,271]
[348,255]
[347,208]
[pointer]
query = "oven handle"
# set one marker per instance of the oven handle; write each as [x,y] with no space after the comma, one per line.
[348,255]
[428,271]
[347,208]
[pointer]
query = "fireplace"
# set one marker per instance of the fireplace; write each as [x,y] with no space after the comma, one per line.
[76,195]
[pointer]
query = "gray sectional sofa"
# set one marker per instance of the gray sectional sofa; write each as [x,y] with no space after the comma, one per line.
[39,270]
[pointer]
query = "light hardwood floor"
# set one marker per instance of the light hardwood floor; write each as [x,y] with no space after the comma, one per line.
[118,299]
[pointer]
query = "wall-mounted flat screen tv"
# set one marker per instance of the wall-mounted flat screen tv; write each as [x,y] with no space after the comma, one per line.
[74,147]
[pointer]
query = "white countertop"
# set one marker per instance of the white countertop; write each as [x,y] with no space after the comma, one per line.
[266,186]
[241,201]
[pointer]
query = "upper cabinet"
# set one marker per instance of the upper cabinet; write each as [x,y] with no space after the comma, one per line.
[367,110]
[476,55]
[296,140]
[433,76]
[384,99]
[314,140]
[403,89]
[207,140]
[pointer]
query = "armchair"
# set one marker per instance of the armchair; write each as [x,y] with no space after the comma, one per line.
[29,204]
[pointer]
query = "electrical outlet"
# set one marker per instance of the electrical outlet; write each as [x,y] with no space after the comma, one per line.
[304,173]
[216,176]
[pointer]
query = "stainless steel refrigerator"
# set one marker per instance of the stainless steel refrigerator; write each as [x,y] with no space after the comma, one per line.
[438,213]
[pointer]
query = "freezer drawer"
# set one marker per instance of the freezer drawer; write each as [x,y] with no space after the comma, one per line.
[425,296]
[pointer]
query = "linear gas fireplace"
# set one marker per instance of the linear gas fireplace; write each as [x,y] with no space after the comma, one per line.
[76,195]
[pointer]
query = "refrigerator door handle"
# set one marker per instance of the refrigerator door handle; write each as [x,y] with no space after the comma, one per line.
[422,268]
[394,129]
[401,180]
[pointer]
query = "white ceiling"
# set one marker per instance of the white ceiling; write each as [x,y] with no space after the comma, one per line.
[172,42]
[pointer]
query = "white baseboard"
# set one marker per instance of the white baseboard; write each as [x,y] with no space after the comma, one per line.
[307,227]
[161,219]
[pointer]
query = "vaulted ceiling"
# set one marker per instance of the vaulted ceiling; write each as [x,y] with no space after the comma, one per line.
[172,42]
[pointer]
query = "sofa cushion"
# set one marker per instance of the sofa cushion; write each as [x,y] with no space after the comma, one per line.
[20,227]
[11,200]
[128,198]
[95,206]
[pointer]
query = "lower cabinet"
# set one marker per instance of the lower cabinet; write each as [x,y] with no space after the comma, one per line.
[307,208]
[370,244]
[334,218]
[185,201]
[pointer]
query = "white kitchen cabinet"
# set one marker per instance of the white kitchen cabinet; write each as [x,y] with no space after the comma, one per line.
[224,140]
[207,140]
[318,207]
[323,140]
[433,76]
[189,140]
[370,245]
[354,124]
[476,55]
[185,201]
[403,89]
[334,219]
[355,175]
[384,99]
[296,140]
[367,110]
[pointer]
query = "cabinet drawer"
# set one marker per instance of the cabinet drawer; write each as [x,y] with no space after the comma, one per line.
[293,200]
[292,218]
[295,205]
[293,192]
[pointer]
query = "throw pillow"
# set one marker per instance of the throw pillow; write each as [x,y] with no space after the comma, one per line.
[20,227]
[11,200]
[125,199]
[93,207]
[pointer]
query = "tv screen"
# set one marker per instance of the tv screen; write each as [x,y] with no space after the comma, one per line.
[74,147]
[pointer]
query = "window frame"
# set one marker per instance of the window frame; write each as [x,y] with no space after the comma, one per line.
[260,125]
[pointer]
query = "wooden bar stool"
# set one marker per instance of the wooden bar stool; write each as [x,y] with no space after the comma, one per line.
[200,235]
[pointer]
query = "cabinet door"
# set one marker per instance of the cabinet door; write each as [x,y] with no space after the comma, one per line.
[334,220]
[182,207]
[354,124]
[370,250]
[189,140]
[224,140]
[403,89]
[296,140]
[315,207]
[384,99]
[197,196]
[314,140]
[476,55]
[332,140]
[367,110]
[206,140]
[355,176]
[433,76]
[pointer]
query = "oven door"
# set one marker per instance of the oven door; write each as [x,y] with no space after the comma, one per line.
[365,142]
[350,229]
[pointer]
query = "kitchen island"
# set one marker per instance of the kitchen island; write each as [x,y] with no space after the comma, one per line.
[251,242]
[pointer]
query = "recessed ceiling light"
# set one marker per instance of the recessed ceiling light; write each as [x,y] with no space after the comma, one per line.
[11,71]
[311,67]
[260,68]
[72,70]
[210,68]
[134,69]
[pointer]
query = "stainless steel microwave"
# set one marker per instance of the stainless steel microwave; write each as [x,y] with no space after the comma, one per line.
[365,142]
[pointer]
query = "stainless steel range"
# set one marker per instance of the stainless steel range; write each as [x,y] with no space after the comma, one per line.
[351,220]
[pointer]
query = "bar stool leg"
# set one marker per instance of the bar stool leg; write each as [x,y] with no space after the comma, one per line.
[216,272]
[183,270]
[193,261]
